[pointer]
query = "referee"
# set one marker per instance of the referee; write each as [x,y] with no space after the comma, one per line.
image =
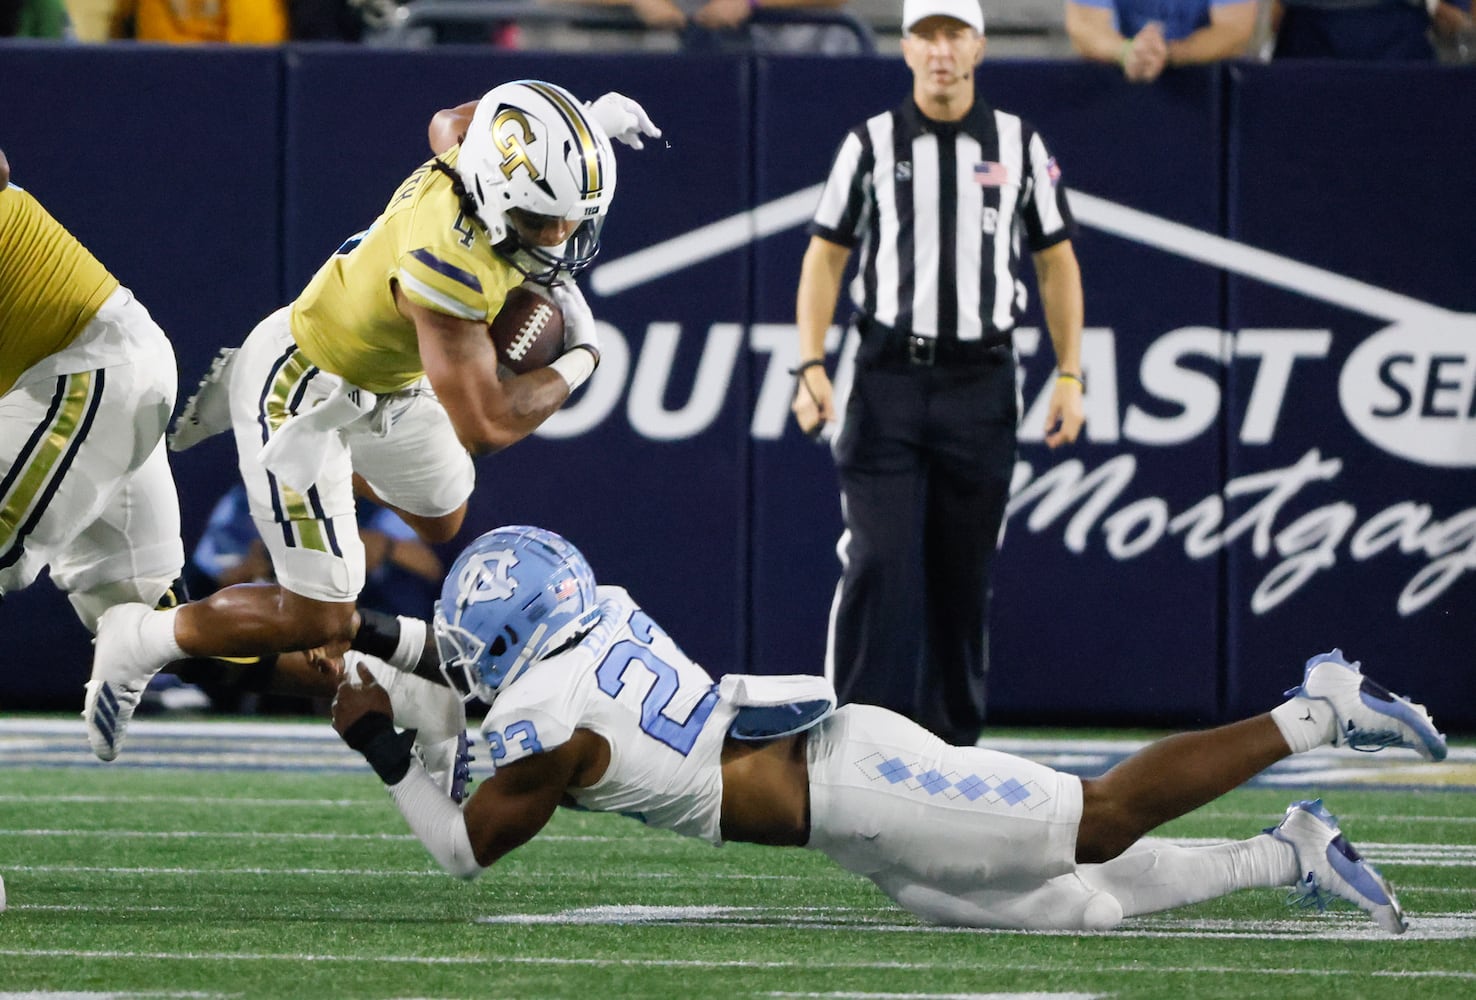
[940,193]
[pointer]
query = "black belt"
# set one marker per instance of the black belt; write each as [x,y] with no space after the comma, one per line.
[887,345]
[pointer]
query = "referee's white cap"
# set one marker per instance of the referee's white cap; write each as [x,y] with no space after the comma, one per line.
[967,11]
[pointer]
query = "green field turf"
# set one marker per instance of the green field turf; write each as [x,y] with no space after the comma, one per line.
[139,880]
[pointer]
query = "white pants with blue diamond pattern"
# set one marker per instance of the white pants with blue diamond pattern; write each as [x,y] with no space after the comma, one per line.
[968,836]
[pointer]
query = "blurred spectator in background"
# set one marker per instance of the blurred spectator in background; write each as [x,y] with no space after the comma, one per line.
[229,551]
[92,20]
[34,19]
[730,23]
[238,22]
[1455,31]
[1146,36]
[402,573]
[384,23]
[1387,30]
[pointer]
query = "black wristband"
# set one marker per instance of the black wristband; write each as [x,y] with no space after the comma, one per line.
[387,751]
[378,635]
[805,366]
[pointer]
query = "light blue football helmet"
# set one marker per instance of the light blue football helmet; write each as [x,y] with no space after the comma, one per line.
[512,597]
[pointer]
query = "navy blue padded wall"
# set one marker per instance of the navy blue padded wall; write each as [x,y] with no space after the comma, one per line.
[803,109]
[1370,534]
[214,183]
[1066,583]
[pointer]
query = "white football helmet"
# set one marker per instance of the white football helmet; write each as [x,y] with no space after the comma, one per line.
[531,147]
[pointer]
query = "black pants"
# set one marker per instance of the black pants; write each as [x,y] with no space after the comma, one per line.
[924,457]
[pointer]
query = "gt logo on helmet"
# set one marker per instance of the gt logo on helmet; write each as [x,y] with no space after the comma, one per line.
[511,134]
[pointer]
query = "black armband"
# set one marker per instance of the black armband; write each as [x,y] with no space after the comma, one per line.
[378,634]
[387,751]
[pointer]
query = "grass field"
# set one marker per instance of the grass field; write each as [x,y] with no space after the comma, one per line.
[266,861]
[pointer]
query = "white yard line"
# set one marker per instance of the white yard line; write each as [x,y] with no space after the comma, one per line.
[802,964]
[1416,855]
[852,995]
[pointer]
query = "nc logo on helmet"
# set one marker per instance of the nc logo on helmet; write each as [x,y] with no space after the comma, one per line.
[512,134]
[487,576]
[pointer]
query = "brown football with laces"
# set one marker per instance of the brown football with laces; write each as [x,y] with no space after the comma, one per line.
[528,331]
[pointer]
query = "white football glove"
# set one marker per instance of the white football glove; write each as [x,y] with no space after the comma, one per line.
[579,322]
[576,366]
[623,119]
[434,711]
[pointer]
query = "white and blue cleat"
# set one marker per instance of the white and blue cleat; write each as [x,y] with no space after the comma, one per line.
[120,674]
[1333,869]
[1369,717]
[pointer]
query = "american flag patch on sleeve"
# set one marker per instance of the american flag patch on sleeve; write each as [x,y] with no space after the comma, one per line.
[991,174]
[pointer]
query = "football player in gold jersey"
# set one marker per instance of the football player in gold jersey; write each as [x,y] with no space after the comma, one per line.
[87,384]
[381,379]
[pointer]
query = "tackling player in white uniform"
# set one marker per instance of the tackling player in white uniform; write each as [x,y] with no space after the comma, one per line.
[591,702]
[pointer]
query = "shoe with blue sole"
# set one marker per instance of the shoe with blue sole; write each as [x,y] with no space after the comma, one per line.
[1333,869]
[1369,717]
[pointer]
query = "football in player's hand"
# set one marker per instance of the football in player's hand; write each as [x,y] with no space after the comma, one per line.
[528,331]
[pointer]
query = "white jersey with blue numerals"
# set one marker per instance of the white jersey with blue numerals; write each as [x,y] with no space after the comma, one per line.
[630,683]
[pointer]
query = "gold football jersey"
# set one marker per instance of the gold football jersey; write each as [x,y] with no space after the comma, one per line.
[346,320]
[50,286]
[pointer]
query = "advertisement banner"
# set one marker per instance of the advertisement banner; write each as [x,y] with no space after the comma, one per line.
[1280,450]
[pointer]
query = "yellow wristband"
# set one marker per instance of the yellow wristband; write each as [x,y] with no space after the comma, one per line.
[1125,51]
[1072,377]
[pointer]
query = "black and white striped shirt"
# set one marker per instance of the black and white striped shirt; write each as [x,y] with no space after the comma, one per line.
[939,209]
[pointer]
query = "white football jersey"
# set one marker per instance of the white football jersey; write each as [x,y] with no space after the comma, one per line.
[660,713]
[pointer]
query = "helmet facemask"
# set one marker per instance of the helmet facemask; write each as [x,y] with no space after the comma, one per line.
[551,265]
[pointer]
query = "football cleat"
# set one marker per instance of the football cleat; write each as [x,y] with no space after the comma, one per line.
[1333,869]
[120,673]
[207,412]
[448,762]
[1369,717]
